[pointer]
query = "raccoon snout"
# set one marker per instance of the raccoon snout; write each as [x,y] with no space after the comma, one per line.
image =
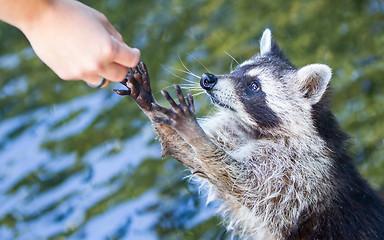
[207,81]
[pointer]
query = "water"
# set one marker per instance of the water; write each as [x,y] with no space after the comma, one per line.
[97,196]
[79,163]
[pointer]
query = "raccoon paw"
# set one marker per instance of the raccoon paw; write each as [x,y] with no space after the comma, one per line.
[139,88]
[180,116]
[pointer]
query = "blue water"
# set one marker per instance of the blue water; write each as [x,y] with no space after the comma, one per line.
[42,214]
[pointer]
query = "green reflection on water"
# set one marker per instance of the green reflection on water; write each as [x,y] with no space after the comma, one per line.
[346,35]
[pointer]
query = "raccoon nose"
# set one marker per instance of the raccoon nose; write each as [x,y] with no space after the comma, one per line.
[207,81]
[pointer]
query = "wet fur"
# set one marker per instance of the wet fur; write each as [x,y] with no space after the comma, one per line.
[276,156]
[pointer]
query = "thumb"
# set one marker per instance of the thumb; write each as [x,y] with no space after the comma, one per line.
[125,55]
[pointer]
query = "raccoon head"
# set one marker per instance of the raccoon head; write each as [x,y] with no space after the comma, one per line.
[267,92]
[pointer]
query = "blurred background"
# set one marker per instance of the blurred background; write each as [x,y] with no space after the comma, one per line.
[80,163]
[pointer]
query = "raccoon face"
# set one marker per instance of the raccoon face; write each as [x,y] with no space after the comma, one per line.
[243,95]
[267,91]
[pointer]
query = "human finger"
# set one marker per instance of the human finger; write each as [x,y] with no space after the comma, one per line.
[94,81]
[113,72]
[109,27]
[126,55]
[112,30]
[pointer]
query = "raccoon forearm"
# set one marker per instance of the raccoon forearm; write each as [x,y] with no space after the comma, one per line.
[171,143]
[220,168]
[201,155]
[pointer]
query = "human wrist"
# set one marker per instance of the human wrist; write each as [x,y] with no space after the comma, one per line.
[23,14]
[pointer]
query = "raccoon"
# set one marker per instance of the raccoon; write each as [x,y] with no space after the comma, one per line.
[273,151]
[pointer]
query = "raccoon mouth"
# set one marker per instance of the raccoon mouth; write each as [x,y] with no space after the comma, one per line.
[217,102]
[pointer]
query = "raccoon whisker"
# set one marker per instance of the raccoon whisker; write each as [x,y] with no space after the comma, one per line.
[166,69]
[192,89]
[189,71]
[168,85]
[157,92]
[234,59]
[190,85]
[199,62]
[165,82]
[211,110]
[197,94]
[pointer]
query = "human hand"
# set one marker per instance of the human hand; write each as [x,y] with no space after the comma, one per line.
[78,42]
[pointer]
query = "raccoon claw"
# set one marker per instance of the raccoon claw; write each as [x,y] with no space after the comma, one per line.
[135,70]
[143,68]
[169,99]
[139,88]
[189,106]
[181,115]
[191,102]
[122,92]
[183,108]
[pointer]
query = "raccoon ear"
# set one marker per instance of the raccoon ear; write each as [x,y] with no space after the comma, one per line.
[266,42]
[313,80]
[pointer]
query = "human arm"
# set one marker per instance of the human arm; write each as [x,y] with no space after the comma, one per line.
[74,40]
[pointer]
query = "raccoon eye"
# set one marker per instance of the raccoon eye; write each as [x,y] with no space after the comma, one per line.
[254,86]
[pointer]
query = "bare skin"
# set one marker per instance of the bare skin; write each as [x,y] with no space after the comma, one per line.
[77,42]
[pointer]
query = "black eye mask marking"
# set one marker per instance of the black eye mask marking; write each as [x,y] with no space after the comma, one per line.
[254,101]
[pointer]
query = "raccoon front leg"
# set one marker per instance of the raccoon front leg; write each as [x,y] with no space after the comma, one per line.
[181,117]
[139,89]
[210,161]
